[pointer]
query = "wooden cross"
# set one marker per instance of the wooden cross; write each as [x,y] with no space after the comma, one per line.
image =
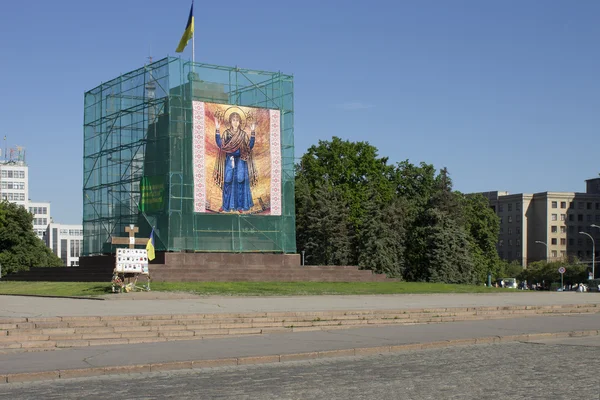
[131,240]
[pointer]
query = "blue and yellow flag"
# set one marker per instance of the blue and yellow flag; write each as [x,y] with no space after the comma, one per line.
[189,31]
[150,246]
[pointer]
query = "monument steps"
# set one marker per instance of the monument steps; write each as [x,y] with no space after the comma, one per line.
[198,267]
[29,334]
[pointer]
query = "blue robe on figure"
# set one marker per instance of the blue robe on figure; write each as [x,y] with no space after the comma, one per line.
[235,172]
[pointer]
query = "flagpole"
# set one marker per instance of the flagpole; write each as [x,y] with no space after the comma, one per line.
[193,39]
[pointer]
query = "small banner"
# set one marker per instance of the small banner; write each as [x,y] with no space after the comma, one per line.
[152,191]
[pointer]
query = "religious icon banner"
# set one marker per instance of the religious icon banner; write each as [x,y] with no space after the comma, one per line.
[236,159]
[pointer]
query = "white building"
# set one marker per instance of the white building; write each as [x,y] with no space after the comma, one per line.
[66,241]
[14,182]
[41,217]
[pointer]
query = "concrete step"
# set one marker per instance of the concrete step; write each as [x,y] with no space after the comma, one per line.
[61,332]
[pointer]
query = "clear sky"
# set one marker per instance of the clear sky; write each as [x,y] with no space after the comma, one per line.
[504,93]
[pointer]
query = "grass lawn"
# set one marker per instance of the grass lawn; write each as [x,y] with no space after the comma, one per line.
[246,288]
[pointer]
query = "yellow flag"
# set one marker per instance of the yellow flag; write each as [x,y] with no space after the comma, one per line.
[150,246]
[188,33]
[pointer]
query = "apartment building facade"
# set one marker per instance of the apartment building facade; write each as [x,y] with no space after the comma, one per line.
[547,225]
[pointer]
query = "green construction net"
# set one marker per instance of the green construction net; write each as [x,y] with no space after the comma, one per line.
[150,159]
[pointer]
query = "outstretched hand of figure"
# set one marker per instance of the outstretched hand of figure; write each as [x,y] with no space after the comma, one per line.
[253,126]
[217,123]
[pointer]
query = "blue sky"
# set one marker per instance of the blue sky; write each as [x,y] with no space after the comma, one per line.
[505,94]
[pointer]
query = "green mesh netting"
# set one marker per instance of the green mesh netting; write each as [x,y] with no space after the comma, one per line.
[138,159]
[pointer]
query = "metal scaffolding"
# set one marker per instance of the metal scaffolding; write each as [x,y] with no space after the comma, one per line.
[139,126]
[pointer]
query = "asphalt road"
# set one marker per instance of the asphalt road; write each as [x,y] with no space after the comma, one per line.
[551,369]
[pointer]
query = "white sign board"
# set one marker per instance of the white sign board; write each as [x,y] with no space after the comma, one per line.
[133,261]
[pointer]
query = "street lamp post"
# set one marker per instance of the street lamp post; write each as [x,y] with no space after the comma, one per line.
[593,253]
[545,244]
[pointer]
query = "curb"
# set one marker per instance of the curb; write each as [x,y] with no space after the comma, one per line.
[271,359]
[52,297]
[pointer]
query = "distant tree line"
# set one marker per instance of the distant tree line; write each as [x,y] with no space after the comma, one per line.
[403,220]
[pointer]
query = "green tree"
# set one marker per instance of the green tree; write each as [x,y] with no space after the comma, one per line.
[381,241]
[349,167]
[325,234]
[417,186]
[483,226]
[448,259]
[20,248]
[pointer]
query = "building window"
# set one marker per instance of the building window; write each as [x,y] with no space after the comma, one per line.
[501,254]
[563,204]
[554,229]
[580,205]
[572,204]
[501,230]
[598,218]
[589,218]
[518,206]
[554,204]
[509,206]
[597,206]
[501,243]
[563,229]
[571,217]
[563,253]
[509,219]
[501,220]
[554,217]
[589,206]
[580,217]
[518,217]
[63,251]
[510,231]
[571,229]
[500,207]
[563,241]
[55,240]
[563,217]
[518,254]
[579,242]
[518,230]
[571,242]
[553,241]
[509,255]
[518,242]
[510,242]
[554,253]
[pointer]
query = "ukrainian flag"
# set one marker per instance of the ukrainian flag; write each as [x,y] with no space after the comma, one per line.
[150,246]
[189,31]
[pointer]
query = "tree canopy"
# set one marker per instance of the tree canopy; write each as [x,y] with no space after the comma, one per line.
[20,248]
[404,220]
